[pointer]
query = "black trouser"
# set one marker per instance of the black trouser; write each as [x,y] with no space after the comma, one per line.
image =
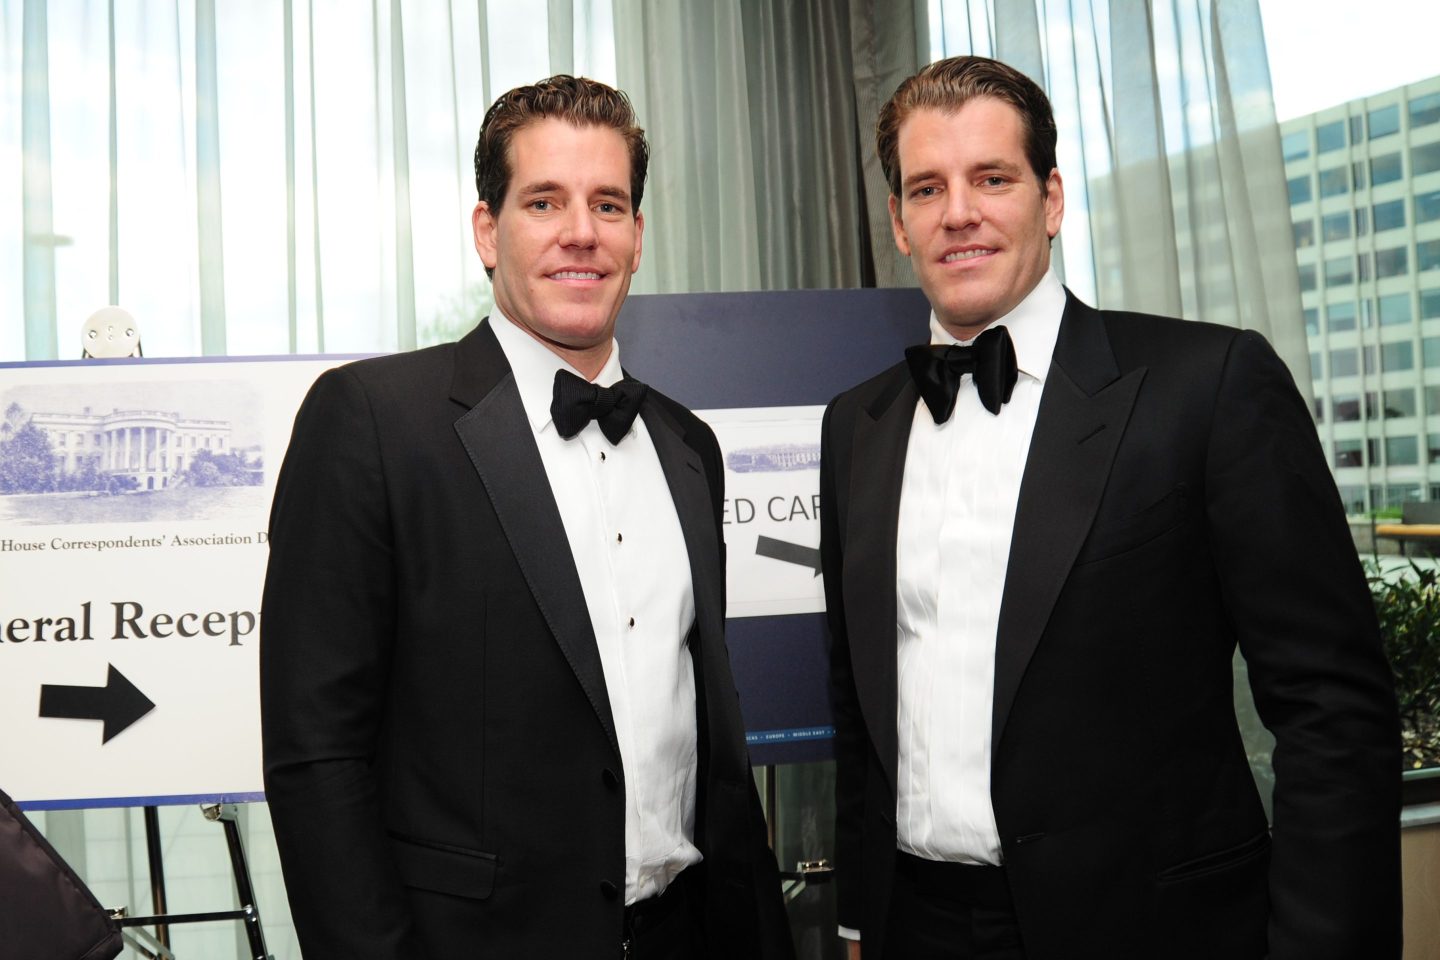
[665,927]
[951,911]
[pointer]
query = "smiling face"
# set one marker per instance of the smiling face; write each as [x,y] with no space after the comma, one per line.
[566,238]
[972,216]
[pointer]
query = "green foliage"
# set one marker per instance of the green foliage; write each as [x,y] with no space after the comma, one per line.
[1408,606]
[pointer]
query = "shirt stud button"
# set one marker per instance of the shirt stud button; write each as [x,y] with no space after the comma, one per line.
[619,538]
[632,621]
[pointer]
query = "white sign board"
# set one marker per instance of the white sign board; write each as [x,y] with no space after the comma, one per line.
[134,499]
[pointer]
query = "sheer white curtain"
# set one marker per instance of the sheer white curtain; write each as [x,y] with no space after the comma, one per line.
[1174,182]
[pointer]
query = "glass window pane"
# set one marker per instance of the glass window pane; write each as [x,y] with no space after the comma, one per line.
[1346,408]
[1296,146]
[1430,304]
[1330,136]
[1425,110]
[1362,221]
[1372,452]
[1432,401]
[1430,351]
[1372,405]
[1317,409]
[1334,182]
[1357,129]
[1304,233]
[1384,121]
[1299,189]
[1427,255]
[1425,158]
[1399,403]
[1367,359]
[1397,356]
[1315,371]
[1348,453]
[1386,169]
[1340,317]
[1434,444]
[1389,216]
[1402,451]
[1395,309]
[1343,363]
[1335,226]
[1312,320]
[1392,263]
[1362,267]
[1427,206]
[1339,271]
[1307,277]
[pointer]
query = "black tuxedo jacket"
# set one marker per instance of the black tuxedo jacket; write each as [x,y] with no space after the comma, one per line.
[1175,503]
[440,757]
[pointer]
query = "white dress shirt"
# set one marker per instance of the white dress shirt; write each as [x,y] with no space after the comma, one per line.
[629,550]
[957,511]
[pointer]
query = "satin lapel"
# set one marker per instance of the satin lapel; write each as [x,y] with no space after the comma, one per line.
[1084,409]
[498,439]
[691,494]
[882,430]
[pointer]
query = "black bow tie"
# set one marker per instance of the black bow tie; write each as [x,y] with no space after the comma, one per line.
[578,401]
[990,359]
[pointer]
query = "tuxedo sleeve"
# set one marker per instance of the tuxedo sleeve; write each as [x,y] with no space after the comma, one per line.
[850,739]
[328,626]
[1302,612]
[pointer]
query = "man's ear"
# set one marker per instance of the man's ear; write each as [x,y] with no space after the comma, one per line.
[639,236]
[482,224]
[1054,203]
[897,226]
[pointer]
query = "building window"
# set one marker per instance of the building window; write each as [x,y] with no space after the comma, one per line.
[1397,356]
[1299,189]
[1317,410]
[1434,444]
[1357,129]
[1311,316]
[1362,221]
[1384,121]
[1297,145]
[1399,403]
[1395,309]
[62,437]
[1346,408]
[1372,453]
[1430,351]
[1425,109]
[1386,169]
[1339,271]
[1367,359]
[1432,402]
[1389,216]
[1304,233]
[1362,267]
[1353,498]
[1330,136]
[1427,206]
[1335,226]
[1315,366]
[1392,263]
[1430,304]
[1402,451]
[1425,158]
[1398,493]
[1348,454]
[1372,405]
[1342,363]
[1307,277]
[1427,256]
[1333,182]
[1340,317]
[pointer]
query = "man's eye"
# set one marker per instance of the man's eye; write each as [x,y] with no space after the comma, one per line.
[927,191]
[540,205]
[608,208]
[994,181]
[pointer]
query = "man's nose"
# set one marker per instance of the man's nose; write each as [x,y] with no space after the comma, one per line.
[578,228]
[961,209]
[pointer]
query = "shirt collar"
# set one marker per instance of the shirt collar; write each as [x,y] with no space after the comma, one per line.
[1034,326]
[534,366]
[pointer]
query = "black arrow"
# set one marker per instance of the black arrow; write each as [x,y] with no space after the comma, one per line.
[787,552]
[118,703]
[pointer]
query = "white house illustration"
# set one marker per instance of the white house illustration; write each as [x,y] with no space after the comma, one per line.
[153,446]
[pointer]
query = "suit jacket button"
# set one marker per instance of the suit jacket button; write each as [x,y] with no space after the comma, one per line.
[611,778]
[608,890]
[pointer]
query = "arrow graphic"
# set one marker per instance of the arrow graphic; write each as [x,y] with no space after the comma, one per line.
[787,552]
[118,703]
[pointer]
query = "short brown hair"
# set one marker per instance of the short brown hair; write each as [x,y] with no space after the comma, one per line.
[948,85]
[577,100]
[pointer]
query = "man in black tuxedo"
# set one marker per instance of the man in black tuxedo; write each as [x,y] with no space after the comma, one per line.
[499,718]
[1040,552]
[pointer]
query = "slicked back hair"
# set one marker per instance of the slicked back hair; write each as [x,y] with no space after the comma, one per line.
[948,85]
[576,100]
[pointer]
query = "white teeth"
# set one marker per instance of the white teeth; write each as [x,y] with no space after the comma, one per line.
[574,275]
[966,255]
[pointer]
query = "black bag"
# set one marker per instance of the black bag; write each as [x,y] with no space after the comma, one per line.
[46,911]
